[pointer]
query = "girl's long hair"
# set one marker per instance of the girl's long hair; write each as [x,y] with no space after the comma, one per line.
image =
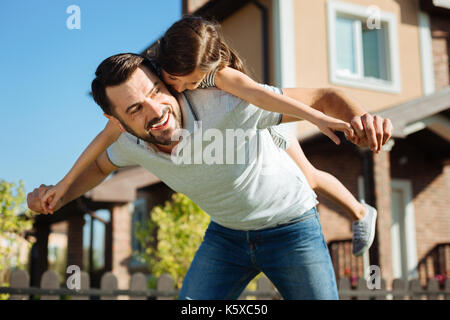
[194,42]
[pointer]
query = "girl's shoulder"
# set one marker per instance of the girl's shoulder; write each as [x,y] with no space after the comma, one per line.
[209,80]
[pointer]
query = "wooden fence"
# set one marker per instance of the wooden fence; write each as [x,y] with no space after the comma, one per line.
[50,289]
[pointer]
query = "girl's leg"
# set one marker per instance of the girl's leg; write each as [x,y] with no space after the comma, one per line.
[325,183]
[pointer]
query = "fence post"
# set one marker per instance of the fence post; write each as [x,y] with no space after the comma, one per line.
[19,279]
[414,285]
[165,283]
[361,286]
[447,288]
[264,285]
[398,285]
[138,282]
[344,284]
[433,285]
[108,282]
[50,280]
[85,285]
[383,287]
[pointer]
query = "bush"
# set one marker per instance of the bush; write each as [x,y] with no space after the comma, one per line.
[15,220]
[171,236]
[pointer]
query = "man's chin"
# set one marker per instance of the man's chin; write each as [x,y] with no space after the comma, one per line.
[164,139]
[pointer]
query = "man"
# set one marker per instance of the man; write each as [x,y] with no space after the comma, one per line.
[262,209]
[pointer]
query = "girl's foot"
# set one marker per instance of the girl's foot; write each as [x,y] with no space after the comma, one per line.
[364,231]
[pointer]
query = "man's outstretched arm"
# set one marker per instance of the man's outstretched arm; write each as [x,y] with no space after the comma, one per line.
[370,131]
[91,177]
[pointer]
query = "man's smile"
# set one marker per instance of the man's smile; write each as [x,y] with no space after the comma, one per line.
[161,125]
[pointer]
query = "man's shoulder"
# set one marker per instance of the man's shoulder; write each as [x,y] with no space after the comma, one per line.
[212,102]
[125,141]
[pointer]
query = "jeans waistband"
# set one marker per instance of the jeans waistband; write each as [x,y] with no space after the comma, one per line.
[310,212]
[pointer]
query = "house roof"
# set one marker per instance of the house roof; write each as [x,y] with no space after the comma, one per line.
[420,112]
[122,186]
[436,7]
[216,9]
[220,9]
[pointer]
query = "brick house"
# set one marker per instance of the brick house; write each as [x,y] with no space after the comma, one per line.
[398,69]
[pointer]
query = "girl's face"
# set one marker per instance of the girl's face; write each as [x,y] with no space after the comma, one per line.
[181,83]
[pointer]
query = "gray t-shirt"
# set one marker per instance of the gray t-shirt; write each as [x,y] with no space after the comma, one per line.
[243,183]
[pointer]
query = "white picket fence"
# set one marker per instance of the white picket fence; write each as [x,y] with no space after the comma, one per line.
[50,289]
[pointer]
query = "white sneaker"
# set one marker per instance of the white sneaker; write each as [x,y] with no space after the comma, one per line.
[364,231]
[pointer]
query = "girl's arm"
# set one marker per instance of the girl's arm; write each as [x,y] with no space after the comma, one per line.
[242,86]
[325,183]
[101,142]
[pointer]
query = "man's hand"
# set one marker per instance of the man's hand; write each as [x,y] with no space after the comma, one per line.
[34,199]
[370,131]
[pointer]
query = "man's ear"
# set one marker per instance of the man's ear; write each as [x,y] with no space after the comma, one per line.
[115,121]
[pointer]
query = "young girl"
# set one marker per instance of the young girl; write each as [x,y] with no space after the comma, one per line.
[191,55]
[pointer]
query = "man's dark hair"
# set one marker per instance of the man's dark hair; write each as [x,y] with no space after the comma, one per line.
[113,71]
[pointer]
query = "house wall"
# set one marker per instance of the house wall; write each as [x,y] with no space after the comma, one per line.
[440,35]
[430,178]
[243,32]
[312,50]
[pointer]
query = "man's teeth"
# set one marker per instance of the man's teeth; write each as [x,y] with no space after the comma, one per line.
[161,122]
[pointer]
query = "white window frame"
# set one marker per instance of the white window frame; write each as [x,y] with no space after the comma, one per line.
[410,232]
[335,8]
[426,54]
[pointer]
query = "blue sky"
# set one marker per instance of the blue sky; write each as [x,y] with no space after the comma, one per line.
[47,117]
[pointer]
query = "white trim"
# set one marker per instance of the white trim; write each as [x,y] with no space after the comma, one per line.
[284,47]
[284,44]
[426,54]
[394,85]
[366,257]
[409,227]
[442,3]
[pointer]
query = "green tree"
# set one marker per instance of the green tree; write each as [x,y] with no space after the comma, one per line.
[15,220]
[171,236]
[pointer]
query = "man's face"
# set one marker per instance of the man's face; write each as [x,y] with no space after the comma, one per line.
[144,107]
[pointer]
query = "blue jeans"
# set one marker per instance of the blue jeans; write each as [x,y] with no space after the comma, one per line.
[293,256]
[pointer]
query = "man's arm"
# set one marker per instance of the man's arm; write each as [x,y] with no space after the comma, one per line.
[88,179]
[370,131]
[330,101]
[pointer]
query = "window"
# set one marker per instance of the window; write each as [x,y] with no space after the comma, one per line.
[363,54]
[140,215]
[94,240]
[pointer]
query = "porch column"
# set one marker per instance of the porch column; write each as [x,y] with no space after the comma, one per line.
[39,253]
[382,193]
[121,244]
[75,239]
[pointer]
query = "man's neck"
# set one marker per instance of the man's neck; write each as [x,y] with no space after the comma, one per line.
[166,149]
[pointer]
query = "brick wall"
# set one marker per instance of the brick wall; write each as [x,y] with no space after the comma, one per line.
[345,164]
[420,159]
[441,50]
[430,176]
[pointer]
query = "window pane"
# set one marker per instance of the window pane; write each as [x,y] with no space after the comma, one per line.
[98,245]
[374,52]
[345,45]
[86,241]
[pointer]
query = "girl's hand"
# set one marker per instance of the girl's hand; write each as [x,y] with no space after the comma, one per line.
[52,199]
[328,125]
